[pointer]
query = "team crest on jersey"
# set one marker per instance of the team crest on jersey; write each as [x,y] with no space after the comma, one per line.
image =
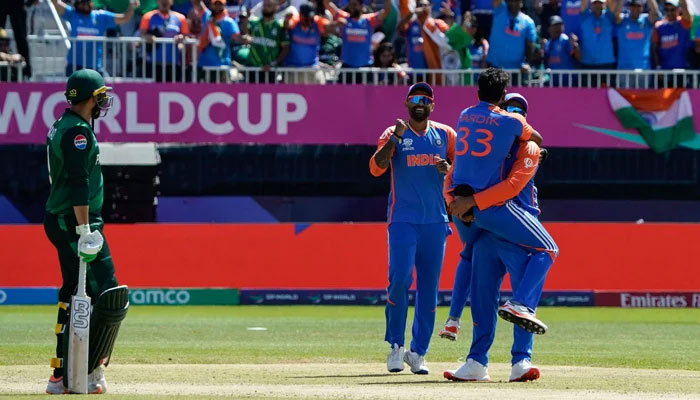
[407,144]
[438,142]
[529,163]
[80,142]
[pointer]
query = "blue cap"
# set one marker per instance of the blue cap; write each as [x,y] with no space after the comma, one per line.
[421,86]
[517,97]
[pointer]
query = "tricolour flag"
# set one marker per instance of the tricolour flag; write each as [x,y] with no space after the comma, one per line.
[663,117]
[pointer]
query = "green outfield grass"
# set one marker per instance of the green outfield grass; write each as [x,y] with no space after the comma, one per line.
[601,337]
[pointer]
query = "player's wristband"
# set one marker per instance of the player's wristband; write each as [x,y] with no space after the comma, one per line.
[395,139]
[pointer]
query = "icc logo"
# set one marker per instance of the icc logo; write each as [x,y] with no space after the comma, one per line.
[73,93]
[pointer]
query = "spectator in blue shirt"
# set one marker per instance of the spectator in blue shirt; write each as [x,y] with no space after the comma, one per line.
[512,39]
[560,51]
[597,31]
[85,21]
[671,38]
[219,32]
[569,12]
[634,40]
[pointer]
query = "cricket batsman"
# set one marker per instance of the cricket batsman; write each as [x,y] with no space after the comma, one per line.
[73,223]
[418,223]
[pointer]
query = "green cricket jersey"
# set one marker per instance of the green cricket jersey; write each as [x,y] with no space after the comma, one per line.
[74,166]
[268,37]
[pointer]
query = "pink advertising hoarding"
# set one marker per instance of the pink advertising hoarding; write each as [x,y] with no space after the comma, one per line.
[297,114]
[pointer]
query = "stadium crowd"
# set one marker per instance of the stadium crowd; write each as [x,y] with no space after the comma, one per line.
[399,34]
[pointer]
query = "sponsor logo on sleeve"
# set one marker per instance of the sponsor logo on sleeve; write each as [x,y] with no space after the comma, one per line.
[80,142]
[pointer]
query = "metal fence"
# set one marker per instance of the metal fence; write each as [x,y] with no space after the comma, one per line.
[11,72]
[133,59]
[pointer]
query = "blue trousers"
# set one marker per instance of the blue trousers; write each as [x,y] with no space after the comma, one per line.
[422,246]
[463,275]
[492,259]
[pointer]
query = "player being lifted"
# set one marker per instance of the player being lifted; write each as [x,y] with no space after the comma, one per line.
[73,224]
[486,136]
[418,224]
[484,281]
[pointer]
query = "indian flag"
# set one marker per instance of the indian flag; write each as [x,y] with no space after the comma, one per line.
[663,117]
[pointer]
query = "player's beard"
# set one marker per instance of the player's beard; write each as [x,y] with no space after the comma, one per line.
[419,116]
[268,14]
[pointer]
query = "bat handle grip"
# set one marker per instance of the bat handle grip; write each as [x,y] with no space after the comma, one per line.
[82,272]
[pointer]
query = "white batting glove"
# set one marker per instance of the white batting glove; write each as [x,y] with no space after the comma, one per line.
[89,244]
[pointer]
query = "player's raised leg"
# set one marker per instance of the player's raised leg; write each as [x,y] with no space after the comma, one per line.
[512,223]
[403,240]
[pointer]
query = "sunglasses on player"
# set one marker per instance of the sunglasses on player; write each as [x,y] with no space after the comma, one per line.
[515,109]
[420,99]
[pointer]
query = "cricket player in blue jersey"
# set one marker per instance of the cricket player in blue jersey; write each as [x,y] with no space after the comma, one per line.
[418,223]
[486,135]
[519,184]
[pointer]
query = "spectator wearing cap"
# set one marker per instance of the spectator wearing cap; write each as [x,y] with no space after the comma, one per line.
[597,31]
[513,37]
[163,22]
[560,51]
[672,36]
[269,43]
[570,12]
[545,10]
[218,33]
[18,18]
[305,33]
[85,21]
[355,30]
[634,40]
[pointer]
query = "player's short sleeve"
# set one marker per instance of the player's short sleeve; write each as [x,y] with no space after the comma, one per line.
[320,23]
[687,24]
[184,27]
[451,144]
[68,12]
[106,19]
[282,35]
[235,29]
[531,33]
[526,132]
[501,9]
[375,169]
[146,21]
[75,145]
[341,14]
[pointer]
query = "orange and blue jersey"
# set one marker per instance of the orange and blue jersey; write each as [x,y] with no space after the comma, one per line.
[672,38]
[485,135]
[416,185]
[167,26]
[357,39]
[304,42]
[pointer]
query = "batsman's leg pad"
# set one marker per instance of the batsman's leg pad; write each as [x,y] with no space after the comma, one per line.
[61,327]
[107,315]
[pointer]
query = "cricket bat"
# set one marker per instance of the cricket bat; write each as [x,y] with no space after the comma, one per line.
[79,341]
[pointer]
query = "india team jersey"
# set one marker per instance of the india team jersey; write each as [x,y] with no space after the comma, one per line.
[416,185]
[94,24]
[485,134]
[357,39]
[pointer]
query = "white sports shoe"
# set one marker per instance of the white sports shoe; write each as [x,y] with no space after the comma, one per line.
[470,371]
[521,316]
[97,384]
[450,330]
[394,361]
[524,371]
[416,362]
[56,386]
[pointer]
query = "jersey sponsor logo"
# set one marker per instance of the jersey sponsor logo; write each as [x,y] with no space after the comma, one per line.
[421,160]
[80,142]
